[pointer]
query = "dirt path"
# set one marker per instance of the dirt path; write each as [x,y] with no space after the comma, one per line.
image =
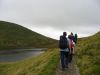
[72,70]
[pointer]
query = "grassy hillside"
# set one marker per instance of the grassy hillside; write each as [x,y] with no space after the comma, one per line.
[16,36]
[44,64]
[88,53]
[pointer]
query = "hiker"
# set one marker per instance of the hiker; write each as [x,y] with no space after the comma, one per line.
[64,50]
[71,46]
[71,36]
[75,38]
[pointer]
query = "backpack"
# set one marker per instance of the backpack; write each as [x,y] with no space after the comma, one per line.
[63,42]
[71,43]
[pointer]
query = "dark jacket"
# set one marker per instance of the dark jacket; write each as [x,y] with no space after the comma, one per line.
[63,42]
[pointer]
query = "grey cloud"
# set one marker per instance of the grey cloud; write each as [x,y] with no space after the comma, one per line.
[72,15]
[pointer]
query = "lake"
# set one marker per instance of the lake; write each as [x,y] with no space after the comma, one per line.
[18,54]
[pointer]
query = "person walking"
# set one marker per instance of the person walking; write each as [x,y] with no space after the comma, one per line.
[64,50]
[75,37]
[71,46]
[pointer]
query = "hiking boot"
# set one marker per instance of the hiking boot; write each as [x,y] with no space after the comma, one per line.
[66,66]
[63,69]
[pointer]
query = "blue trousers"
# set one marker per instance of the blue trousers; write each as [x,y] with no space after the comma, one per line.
[64,58]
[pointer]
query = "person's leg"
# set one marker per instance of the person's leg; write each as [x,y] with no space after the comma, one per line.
[62,59]
[67,59]
[70,55]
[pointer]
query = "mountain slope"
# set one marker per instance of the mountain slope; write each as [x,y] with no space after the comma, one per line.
[88,55]
[16,36]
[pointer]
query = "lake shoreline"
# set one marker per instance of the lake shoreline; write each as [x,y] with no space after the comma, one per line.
[20,50]
[19,54]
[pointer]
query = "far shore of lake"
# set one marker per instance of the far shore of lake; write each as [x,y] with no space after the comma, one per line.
[20,50]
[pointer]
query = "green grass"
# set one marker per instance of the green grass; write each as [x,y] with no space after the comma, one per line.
[88,55]
[44,64]
[14,36]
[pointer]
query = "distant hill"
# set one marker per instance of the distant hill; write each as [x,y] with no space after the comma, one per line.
[14,36]
[88,54]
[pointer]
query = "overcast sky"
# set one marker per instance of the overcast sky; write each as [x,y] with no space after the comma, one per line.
[52,17]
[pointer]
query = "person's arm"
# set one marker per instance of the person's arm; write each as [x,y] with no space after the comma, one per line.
[74,48]
[69,46]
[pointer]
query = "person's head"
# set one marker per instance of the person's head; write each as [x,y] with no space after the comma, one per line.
[76,35]
[64,33]
[71,33]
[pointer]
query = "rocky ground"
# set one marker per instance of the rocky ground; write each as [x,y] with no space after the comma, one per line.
[72,70]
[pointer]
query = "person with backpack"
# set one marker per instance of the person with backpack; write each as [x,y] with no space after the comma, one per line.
[71,46]
[64,50]
[75,38]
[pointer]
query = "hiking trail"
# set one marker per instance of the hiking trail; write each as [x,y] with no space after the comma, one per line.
[72,70]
